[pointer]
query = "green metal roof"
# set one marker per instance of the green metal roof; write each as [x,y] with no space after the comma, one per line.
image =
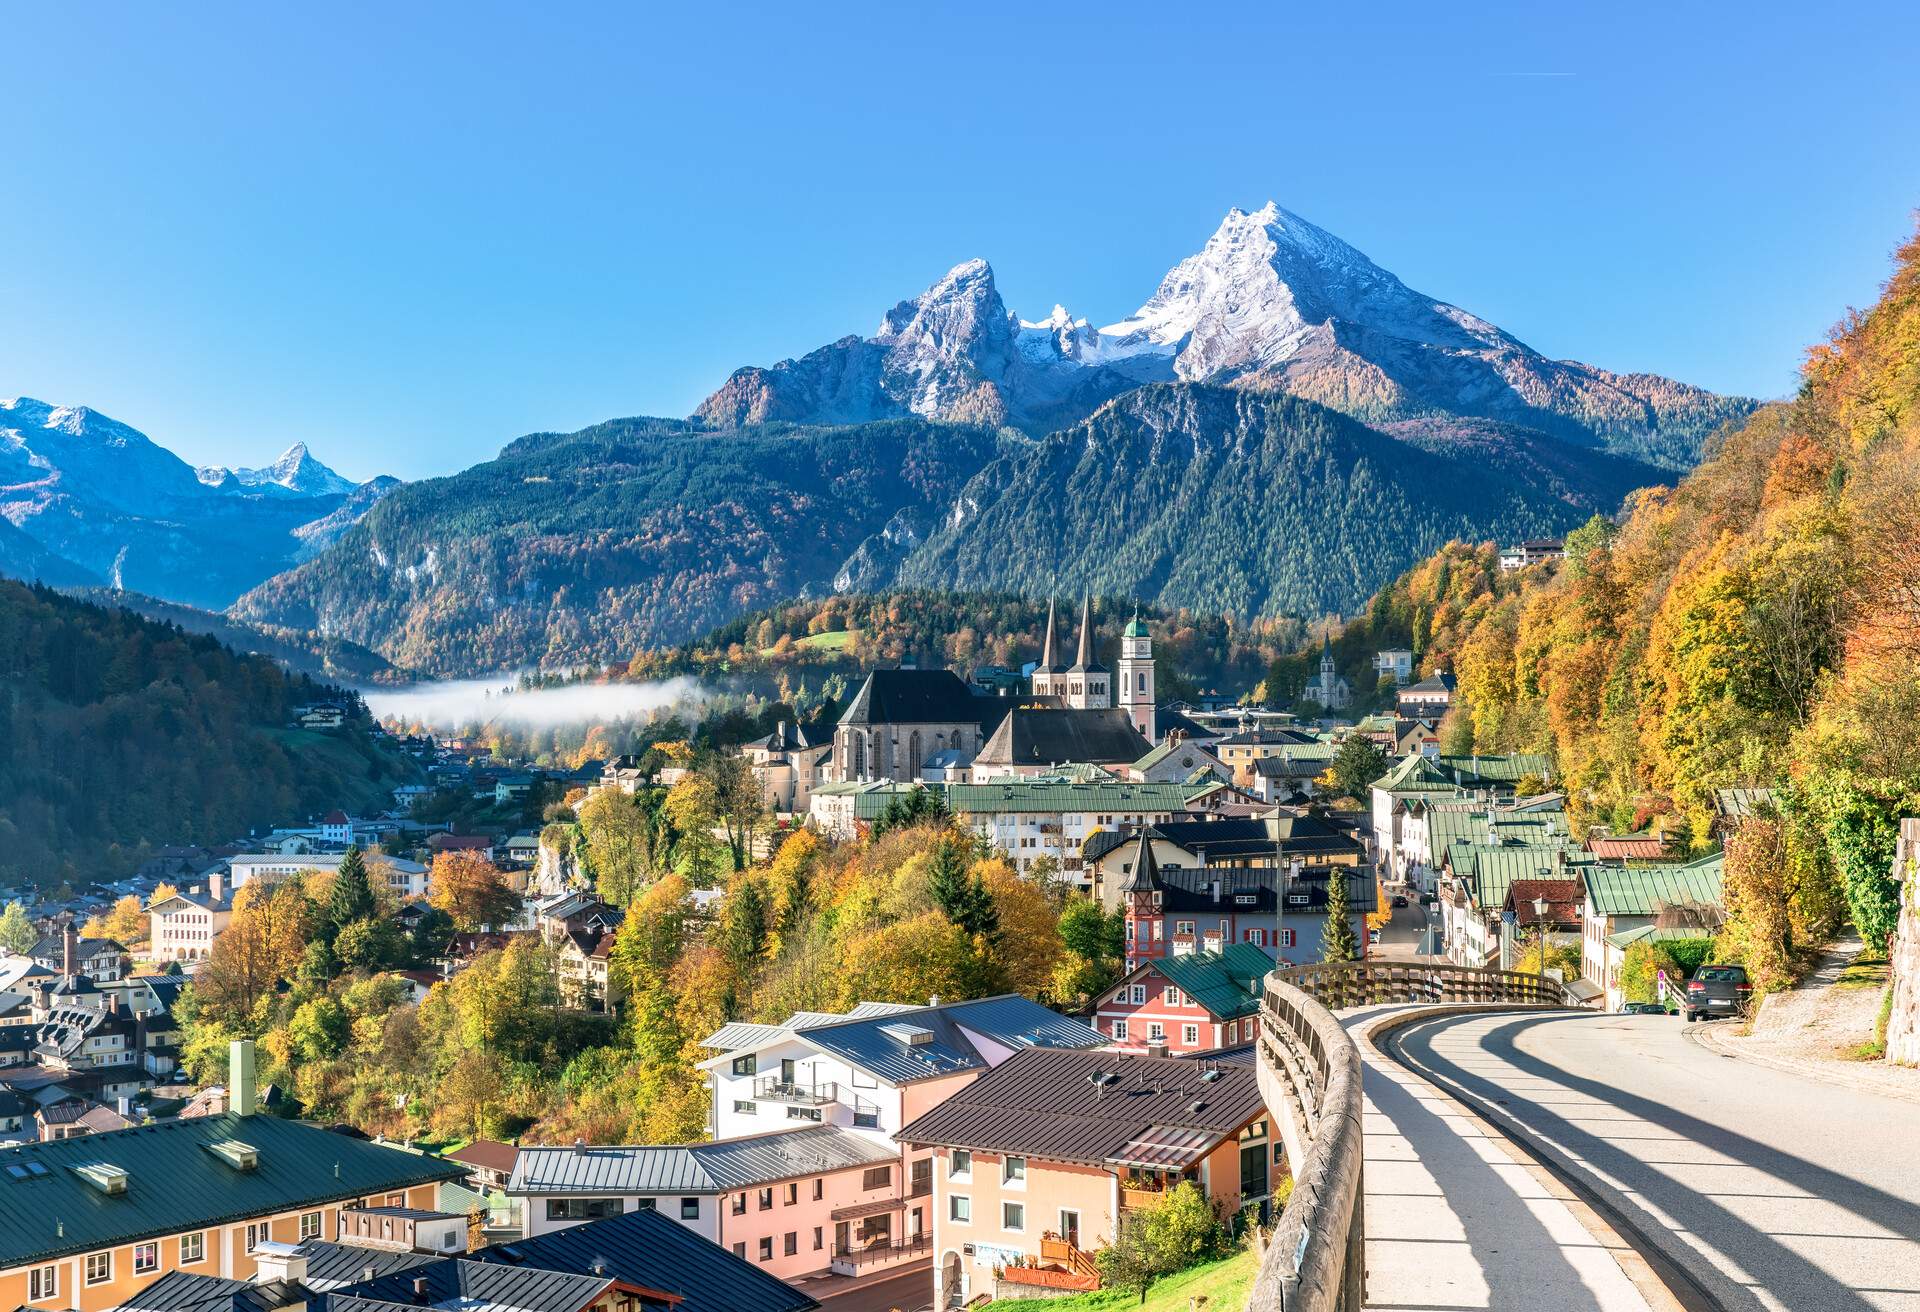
[1005,798]
[1416,774]
[1501,769]
[175,1182]
[1628,937]
[1490,871]
[1641,890]
[1226,983]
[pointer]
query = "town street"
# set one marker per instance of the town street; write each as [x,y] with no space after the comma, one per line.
[1769,1189]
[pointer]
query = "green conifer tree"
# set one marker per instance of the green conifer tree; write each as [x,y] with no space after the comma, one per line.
[1338,942]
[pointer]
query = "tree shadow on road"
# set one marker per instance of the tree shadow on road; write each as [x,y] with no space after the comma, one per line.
[1770,1263]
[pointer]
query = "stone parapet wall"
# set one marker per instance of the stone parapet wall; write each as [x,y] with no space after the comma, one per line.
[1903,1027]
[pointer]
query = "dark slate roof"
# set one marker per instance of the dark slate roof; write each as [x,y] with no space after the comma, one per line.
[1031,735]
[653,1251]
[177,1184]
[332,1266]
[1167,720]
[475,1286]
[915,697]
[1442,682]
[879,1043]
[183,1291]
[1048,1104]
[1294,835]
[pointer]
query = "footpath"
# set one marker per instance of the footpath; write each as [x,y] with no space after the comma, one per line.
[1808,1029]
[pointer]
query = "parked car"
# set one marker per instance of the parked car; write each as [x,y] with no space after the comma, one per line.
[1643,1009]
[1723,989]
[1399,899]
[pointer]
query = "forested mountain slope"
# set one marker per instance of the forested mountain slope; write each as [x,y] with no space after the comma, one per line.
[116,731]
[636,532]
[1251,503]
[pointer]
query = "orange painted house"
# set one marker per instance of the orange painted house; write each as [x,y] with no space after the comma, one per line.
[86,1223]
[1036,1161]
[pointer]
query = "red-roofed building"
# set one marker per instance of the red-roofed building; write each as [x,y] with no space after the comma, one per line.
[1629,847]
[1521,925]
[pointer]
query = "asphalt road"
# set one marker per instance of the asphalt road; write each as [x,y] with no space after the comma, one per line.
[1768,1190]
[1400,940]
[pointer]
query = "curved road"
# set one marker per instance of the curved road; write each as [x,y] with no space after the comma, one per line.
[1770,1190]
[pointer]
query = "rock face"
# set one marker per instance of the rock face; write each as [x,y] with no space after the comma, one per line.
[953,354]
[1903,1024]
[1270,303]
[101,502]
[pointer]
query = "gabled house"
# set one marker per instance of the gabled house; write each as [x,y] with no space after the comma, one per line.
[1193,1002]
[794,1201]
[1037,1160]
[868,1072]
[1667,897]
[1038,740]
[183,927]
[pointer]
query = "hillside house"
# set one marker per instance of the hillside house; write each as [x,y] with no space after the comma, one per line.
[1037,1160]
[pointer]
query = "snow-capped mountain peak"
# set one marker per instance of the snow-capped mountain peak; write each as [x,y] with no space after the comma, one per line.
[1269,302]
[296,471]
[1267,282]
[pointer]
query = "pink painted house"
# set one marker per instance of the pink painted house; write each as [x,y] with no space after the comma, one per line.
[1194,1002]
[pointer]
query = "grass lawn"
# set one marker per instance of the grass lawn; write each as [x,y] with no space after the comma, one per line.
[1225,1284]
[835,641]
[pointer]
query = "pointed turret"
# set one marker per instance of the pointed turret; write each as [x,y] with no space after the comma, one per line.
[1143,876]
[1046,646]
[1086,631]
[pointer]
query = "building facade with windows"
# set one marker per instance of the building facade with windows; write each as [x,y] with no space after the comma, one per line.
[1036,1162]
[1194,1002]
[787,1200]
[1031,818]
[86,1223]
[869,1072]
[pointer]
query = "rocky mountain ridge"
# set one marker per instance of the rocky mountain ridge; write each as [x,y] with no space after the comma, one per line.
[1270,303]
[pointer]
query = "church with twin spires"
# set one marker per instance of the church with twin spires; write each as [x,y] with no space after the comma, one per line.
[913,724]
[1086,685]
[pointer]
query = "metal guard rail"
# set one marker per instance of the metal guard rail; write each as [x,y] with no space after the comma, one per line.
[1309,1071]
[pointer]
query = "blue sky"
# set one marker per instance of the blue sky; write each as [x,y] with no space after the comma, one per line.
[406,234]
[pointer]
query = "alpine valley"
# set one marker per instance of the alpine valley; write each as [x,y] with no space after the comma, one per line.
[1281,427]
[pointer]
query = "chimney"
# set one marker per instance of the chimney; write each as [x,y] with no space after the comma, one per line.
[277,1261]
[420,1294]
[1158,1048]
[241,1094]
[69,951]
[216,884]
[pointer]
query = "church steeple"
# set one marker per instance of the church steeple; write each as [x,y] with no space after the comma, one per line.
[1086,683]
[1046,675]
